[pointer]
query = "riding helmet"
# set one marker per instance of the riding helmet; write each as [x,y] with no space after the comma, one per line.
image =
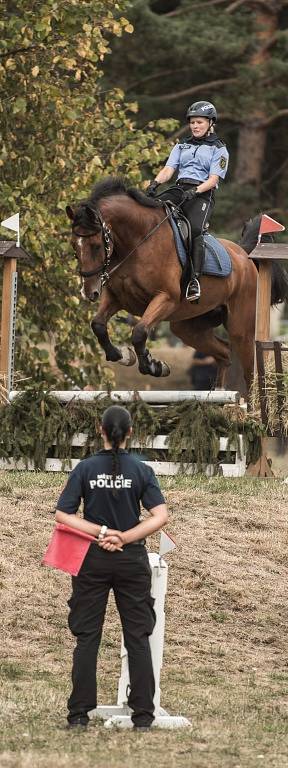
[202,109]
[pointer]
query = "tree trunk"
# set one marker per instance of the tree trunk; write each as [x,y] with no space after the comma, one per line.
[282,194]
[252,135]
[250,153]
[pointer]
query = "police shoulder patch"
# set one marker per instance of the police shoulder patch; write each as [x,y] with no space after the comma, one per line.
[223,162]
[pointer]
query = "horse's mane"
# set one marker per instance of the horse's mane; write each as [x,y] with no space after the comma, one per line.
[86,212]
[116,185]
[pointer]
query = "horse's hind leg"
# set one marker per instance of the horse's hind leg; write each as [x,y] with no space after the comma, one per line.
[240,325]
[204,340]
[242,341]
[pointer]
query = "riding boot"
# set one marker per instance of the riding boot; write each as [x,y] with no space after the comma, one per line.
[198,254]
[193,290]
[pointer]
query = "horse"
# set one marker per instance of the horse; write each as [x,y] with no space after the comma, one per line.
[126,255]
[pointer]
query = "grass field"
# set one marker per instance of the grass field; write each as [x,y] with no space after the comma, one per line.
[225,663]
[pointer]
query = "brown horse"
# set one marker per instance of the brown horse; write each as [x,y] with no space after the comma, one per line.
[128,257]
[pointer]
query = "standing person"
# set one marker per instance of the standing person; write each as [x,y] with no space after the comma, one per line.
[203,372]
[200,161]
[112,483]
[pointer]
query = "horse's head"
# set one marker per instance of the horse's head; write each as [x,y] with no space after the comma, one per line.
[92,243]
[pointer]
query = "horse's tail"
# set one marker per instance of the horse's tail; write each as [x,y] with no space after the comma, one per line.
[279,287]
[248,241]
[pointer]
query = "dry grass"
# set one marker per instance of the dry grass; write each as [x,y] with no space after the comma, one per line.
[225,663]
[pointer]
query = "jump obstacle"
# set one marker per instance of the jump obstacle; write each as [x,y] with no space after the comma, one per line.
[9,254]
[265,254]
[231,460]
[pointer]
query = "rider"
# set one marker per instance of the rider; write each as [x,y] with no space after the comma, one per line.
[200,161]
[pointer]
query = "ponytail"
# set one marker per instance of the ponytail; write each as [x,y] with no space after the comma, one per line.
[116,422]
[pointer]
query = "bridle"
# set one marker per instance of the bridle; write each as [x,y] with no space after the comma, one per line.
[107,239]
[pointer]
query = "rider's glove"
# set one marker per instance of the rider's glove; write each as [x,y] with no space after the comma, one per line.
[190,194]
[151,190]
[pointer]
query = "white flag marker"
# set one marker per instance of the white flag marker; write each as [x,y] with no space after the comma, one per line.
[14,224]
[167,544]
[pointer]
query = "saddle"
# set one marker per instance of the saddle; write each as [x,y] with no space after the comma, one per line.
[217,262]
[172,198]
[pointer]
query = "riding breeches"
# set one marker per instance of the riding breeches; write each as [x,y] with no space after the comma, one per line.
[198,210]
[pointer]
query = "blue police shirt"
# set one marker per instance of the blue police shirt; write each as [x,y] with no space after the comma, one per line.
[92,481]
[199,161]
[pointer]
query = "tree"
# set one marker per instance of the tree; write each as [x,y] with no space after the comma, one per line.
[233,52]
[61,131]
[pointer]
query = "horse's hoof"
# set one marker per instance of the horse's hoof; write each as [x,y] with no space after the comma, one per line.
[165,369]
[151,367]
[156,368]
[128,356]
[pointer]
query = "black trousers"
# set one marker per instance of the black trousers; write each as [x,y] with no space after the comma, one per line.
[128,573]
[198,210]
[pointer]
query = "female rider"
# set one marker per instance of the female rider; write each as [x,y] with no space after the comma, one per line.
[200,161]
[112,483]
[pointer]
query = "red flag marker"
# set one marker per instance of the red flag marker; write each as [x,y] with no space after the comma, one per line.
[67,548]
[269,225]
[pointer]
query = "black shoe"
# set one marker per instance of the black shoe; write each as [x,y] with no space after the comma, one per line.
[193,290]
[78,722]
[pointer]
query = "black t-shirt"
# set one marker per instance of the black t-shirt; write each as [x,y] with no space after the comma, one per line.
[91,480]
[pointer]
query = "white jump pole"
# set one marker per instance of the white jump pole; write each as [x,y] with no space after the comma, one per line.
[149,396]
[120,715]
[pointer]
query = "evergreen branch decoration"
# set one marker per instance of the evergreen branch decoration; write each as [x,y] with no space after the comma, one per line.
[35,420]
[277,418]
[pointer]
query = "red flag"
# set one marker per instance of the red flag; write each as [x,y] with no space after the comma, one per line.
[67,548]
[269,225]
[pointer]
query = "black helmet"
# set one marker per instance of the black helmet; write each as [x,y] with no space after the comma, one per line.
[202,109]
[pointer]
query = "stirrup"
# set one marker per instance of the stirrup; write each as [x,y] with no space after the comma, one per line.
[193,290]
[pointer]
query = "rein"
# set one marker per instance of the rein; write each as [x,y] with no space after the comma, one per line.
[138,244]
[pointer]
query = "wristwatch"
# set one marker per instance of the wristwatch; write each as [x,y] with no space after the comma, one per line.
[102,532]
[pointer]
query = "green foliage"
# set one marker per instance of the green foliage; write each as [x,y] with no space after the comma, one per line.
[61,132]
[195,432]
[35,420]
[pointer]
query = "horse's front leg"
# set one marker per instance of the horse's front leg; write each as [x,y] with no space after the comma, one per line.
[160,308]
[108,306]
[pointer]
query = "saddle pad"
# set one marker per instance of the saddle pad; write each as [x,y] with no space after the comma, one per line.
[217,261]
